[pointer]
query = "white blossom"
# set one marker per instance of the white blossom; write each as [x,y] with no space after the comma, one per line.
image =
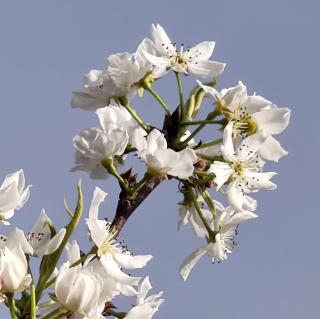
[242,169]
[251,114]
[162,160]
[13,195]
[145,307]
[111,254]
[13,263]
[119,79]
[95,145]
[79,290]
[224,240]
[40,236]
[114,117]
[188,214]
[97,92]
[194,60]
[127,69]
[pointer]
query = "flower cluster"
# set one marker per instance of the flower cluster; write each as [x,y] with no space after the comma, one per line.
[232,164]
[85,285]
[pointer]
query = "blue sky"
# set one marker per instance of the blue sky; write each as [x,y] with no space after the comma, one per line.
[272,46]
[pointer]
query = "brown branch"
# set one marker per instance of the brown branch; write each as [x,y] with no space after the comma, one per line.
[127,204]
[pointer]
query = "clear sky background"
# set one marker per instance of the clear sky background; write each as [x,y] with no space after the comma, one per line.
[272,46]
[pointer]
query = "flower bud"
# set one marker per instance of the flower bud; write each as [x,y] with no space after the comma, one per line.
[78,290]
[13,195]
[13,263]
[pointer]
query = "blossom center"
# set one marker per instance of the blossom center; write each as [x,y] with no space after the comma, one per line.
[238,169]
[244,124]
[179,59]
[107,247]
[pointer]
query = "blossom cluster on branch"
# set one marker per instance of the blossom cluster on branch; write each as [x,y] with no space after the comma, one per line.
[232,163]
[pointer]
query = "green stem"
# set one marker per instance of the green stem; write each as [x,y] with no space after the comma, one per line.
[202,173]
[179,82]
[93,250]
[210,203]
[119,315]
[52,260]
[198,101]
[12,306]
[140,184]
[188,109]
[109,166]
[199,122]
[196,182]
[136,117]
[209,158]
[214,142]
[33,311]
[211,116]
[159,99]
[193,134]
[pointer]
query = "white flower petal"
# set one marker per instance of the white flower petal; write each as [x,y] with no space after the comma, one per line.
[113,270]
[98,230]
[230,220]
[183,165]
[273,121]
[227,149]
[98,197]
[235,196]
[255,103]
[184,214]
[145,286]
[161,40]
[9,197]
[18,239]
[190,262]
[216,249]
[250,145]
[249,203]
[222,171]
[159,72]
[90,98]
[138,139]
[201,51]
[233,97]
[206,69]
[156,140]
[73,252]
[197,223]
[208,89]
[131,262]
[157,61]
[52,245]
[271,150]
[260,180]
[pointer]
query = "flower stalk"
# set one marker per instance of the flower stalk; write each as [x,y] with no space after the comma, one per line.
[12,305]
[158,98]
[33,310]
[211,116]
[109,166]
[135,115]
[49,262]
[197,207]
[180,88]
